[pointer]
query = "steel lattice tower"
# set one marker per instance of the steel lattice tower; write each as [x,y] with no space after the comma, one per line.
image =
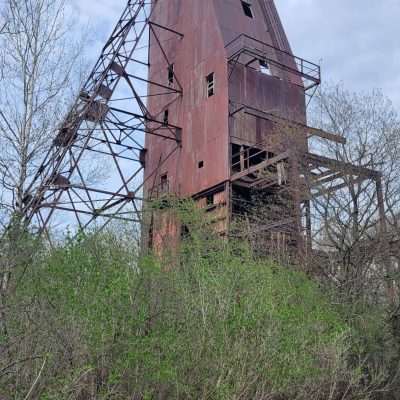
[195,99]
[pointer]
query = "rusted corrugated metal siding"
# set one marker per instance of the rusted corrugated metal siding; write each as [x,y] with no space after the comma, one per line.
[204,121]
[208,26]
[204,160]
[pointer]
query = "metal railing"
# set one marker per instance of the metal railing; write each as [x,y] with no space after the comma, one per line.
[246,50]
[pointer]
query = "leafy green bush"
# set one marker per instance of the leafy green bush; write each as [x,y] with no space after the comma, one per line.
[92,320]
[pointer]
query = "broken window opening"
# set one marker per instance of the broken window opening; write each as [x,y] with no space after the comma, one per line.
[256,156]
[171,74]
[210,200]
[264,67]
[201,164]
[166,117]
[164,183]
[210,84]
[185,233]
[244,157]
[247,9]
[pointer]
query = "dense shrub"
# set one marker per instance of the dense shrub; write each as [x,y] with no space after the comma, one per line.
[91,320]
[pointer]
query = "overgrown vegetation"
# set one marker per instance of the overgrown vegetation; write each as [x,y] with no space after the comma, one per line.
[93,320]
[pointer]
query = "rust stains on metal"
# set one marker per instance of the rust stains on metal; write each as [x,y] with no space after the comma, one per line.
[206,100]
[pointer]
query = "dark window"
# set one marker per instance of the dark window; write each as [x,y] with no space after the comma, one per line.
[164,183]
[210,85]
[171,74]
[201,164]
[210,200]
[166,117]
[247,9]
[264,67]
[185,233]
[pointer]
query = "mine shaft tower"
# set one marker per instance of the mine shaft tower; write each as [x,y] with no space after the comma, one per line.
[244,153]
[240,81]
[195,99]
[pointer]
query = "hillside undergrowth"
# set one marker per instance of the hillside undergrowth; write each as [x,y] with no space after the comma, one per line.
[92,319]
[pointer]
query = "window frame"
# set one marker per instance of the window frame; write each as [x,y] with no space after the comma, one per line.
[247,9]
[265,68]
[210,84]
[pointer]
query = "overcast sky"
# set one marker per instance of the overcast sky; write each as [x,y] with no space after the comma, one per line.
[356,41]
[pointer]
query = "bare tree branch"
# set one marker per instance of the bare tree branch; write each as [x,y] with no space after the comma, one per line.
[363,261]
[39,65]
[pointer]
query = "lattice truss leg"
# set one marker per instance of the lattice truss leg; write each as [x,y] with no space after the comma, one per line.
[93,171]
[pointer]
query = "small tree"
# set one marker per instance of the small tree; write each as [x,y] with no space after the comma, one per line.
[364,254]
[39,56]
[349,219]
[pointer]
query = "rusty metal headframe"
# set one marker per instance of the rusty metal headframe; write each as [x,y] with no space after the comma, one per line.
[106,125]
